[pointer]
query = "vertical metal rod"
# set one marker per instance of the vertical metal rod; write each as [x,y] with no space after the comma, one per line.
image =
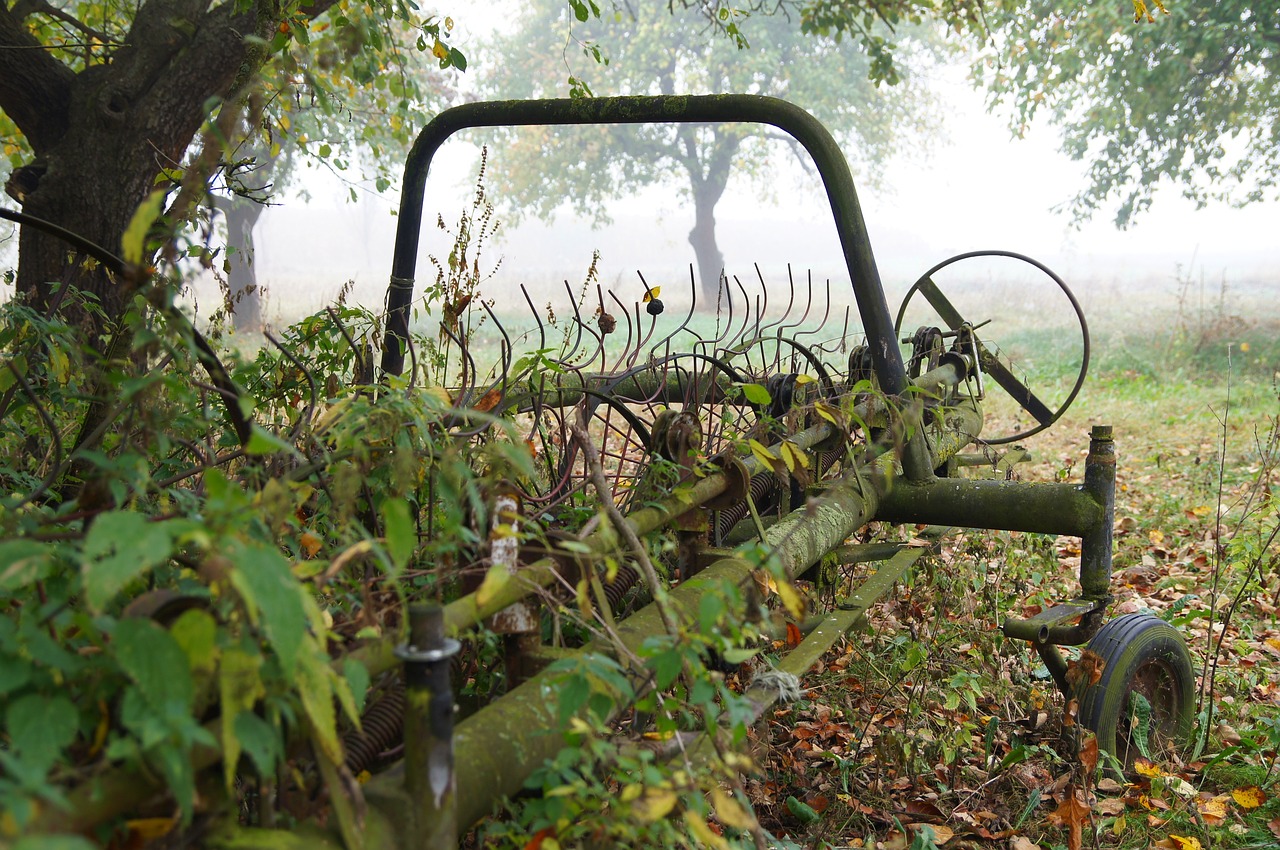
[428,730]
[1100,483]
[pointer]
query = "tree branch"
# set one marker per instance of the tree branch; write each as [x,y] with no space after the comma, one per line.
[42,7]
[35,88]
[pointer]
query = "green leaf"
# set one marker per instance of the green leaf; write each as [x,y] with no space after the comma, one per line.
[120,546]
[756,394]
[151,657]
[240,686]
[573,693]
[402,535]
[134,240]
[315,689]
[357,676]
[197,633]
[803,811]
[25,563]
[39,727]
[259,740]
[666,667]
[263,442]
[274,597]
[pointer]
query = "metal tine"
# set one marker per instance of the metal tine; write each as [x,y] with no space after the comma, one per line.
[626,314]
[701,345]
[542,331]
[693,305]
[838,344]
[603,352]
[504,374]
[826,310]
[769,328]
[653,324]
[464,394]
[808,305]
[571,352]
[734,339]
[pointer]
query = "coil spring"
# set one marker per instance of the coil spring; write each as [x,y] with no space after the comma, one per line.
[626,578]
[381,729]
[762,488]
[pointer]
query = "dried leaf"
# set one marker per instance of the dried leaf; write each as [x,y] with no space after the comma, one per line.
[1071,813]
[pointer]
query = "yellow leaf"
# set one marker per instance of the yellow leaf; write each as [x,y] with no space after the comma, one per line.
[792,456]
[1147,767]
[791,600]
[494,580]
[651,294]
[730,812]
[134,240]
[150,829]
[310,544]
[656,804]
[439,50]
[1249,797]
[706,836]
[1181,843]
[802,379]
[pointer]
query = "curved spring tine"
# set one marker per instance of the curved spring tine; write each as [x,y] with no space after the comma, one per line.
[808,303]
[735,337]
[727,299]
[769,329]
[826,311]
[468,369]
[784,328]
[571,351]
[603,351]
[693,305]
[626,314]
[501,381]
[653,323]
[542,331]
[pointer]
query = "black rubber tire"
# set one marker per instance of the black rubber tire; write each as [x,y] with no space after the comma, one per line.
[1142,653]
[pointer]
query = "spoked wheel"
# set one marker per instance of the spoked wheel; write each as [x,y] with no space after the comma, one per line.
[1146,696]
[963,313]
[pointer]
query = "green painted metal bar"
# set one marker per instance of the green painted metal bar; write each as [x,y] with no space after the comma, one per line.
[1007,505]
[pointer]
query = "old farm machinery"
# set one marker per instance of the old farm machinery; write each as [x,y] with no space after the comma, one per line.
[775,438]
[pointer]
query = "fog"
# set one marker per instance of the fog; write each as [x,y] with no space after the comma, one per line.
[974,188]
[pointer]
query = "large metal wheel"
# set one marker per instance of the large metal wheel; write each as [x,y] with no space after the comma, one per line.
[1009,373]
[1146,665]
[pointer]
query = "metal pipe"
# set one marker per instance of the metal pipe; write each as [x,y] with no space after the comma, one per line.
[1100,484]
[429,780]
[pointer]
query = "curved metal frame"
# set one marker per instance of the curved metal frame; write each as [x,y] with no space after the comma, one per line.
[788,117]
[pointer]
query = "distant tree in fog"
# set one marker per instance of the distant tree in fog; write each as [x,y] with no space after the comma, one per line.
[654,49]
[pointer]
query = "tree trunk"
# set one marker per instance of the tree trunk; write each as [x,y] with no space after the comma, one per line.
[703,239]
[102,135]
[244,296]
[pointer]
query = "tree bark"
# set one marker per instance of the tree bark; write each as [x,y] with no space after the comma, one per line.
[708,167]
[244,298]
[703,239]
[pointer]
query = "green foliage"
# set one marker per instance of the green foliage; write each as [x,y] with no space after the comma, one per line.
[1189,100]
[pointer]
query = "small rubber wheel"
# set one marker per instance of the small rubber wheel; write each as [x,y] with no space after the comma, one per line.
[1144,657]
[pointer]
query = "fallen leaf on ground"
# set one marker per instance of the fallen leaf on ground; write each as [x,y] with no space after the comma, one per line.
[1249,797]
